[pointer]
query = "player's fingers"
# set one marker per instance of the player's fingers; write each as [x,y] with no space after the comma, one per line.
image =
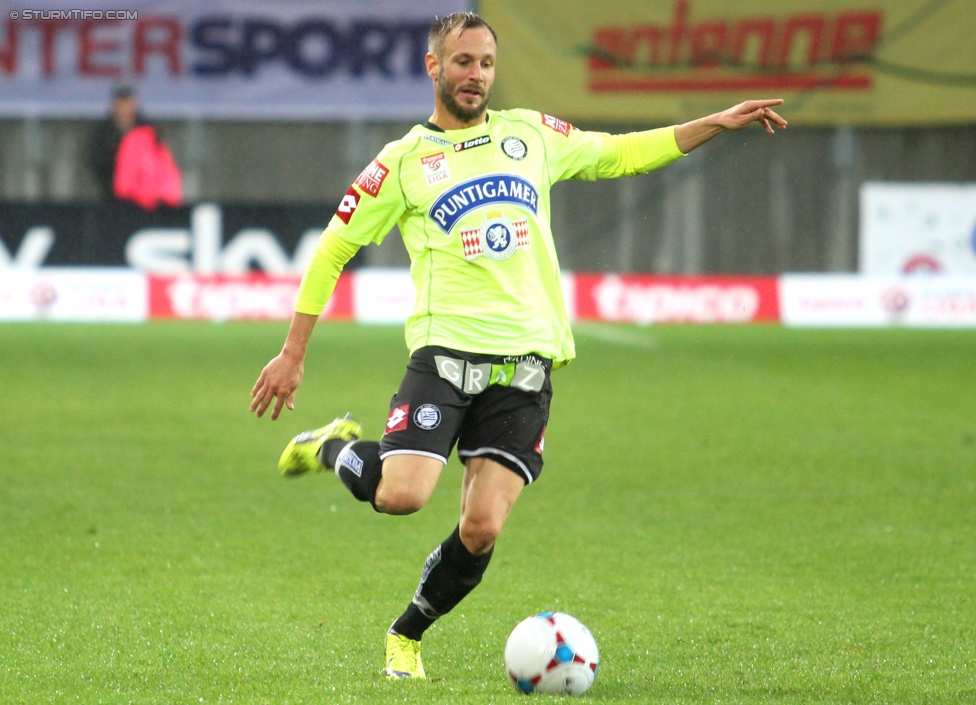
[257,384]
[776,117]
[279,402]
[262,401]
[258,391]
[255,398]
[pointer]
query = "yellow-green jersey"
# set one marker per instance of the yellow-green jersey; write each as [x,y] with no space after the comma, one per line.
[473,209]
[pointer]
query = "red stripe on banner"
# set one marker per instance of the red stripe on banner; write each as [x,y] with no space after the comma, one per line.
[244,297]
[623,83]
[652,299]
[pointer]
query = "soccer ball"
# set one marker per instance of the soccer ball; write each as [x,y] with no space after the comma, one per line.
[553,653]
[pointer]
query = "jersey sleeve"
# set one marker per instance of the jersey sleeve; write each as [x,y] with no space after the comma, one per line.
[374,202]
[367,213]
[570,153]
[637,153]
[330,256]
[587,156]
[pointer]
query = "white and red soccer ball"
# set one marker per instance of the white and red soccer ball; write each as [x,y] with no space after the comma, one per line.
[553,653]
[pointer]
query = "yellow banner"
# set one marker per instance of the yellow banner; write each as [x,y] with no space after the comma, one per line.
[861,62]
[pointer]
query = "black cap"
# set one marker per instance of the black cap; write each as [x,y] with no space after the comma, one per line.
[123,90]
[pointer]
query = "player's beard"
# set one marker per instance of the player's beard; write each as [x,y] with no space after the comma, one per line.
[446,91]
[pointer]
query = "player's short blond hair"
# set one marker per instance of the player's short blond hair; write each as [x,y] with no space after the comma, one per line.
[443,26]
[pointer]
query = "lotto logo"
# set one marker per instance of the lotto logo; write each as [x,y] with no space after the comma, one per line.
[348,205]
[476,142]
[397,420]
[371,179]
[560,126]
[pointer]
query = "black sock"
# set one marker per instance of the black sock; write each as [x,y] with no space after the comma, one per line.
[412,623]
[450,573]
[358,465]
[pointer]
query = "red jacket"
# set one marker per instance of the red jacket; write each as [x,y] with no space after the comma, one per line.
[145,171]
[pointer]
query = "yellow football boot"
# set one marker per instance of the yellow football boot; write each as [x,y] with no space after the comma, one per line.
[301,454]
[403,658]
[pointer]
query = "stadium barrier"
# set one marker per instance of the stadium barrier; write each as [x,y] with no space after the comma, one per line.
[385,296]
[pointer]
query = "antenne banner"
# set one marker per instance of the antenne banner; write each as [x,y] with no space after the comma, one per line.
[859,62]
[219,59]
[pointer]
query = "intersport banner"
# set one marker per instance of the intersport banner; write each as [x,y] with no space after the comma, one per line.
[219,59]
[900,62]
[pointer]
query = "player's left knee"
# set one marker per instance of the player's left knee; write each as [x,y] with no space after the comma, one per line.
[479,536]
[398,501]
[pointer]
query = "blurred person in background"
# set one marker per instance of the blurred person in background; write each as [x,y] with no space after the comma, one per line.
[129,160]
[104,146]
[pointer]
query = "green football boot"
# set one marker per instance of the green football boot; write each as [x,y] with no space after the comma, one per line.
[301,454]
[403,658]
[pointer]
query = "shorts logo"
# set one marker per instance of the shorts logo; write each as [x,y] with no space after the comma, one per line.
[476,142]
[372,177]
[525,373]
[560,126]
[497,238]
[427,417]
[397,420]
[435,168]
[514,148]
[348,205]
[541,444]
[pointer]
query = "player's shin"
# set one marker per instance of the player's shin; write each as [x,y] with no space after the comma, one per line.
[357,464]
[450,573]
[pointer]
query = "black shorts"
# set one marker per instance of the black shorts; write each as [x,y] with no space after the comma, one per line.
[490,406]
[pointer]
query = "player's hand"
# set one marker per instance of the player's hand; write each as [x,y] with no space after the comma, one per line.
[743,114]
[278,382]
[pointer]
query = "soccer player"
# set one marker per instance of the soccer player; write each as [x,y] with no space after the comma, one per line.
[469,190]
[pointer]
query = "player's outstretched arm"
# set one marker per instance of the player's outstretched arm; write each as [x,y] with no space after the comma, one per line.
[280,378]
[694,134]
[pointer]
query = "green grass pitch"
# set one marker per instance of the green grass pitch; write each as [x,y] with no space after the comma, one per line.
[740,515]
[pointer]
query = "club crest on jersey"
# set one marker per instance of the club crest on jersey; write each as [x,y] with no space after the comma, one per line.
[514,148]
[497,238]
[435,168]
[372,177]
[494,189]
